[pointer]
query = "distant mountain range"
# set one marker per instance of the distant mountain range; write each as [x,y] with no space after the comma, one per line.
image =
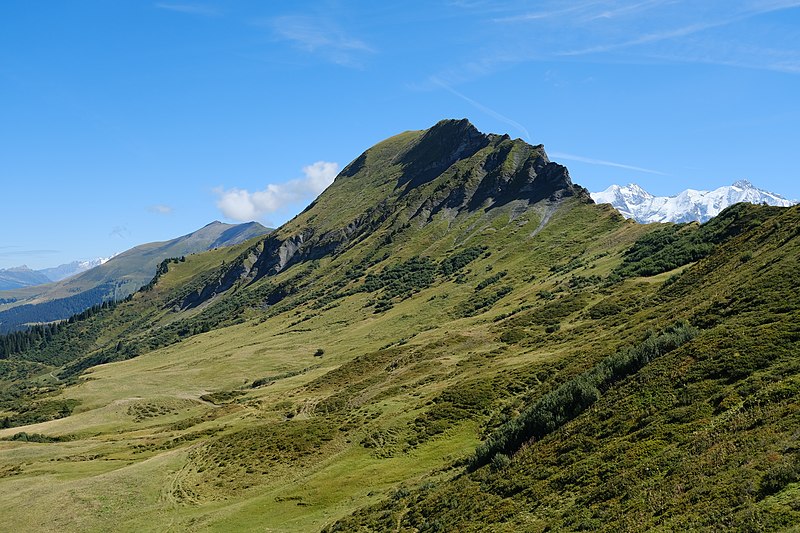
[690,205]
[22,276]
[70,269]
[114,279]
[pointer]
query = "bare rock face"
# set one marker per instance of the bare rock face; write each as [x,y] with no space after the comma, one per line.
[498,170]
[451,167]
[441,146]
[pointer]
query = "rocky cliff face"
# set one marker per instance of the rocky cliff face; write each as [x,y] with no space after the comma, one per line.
[482,170]
[438,149]
[447,170]
[451,166]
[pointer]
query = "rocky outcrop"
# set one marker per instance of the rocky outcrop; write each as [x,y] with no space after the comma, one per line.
[507,170]
[436,151]
[470,170]
[499,170]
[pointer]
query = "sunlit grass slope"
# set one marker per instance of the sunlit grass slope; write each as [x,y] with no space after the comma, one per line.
[346,379]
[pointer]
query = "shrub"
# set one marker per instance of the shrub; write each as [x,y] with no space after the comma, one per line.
[781,474]
[513,335]
[500,461]
[35,437]
[490,280]
[569,400]
[552,328]
[459,260]
[482,302]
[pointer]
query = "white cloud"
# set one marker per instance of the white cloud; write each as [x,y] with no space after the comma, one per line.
[243,205]
[160,209]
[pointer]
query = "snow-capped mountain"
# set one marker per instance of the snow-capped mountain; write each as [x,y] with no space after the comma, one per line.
[636,203]
[70,269]
[22,276]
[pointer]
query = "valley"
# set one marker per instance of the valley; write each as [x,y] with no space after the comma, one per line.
[452,337]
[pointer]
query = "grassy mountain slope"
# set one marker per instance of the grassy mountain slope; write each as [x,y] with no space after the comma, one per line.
[115,279]
[344,371]
[702,438]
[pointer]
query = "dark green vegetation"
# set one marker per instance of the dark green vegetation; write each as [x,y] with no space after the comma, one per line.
[688,429]
[451,338]
[572,398]
[676,245]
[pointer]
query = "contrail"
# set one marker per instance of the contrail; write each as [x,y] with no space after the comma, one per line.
[480,106]
[571,157]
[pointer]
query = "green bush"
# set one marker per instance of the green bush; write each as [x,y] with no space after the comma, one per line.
[490,280]
[676,245]
[459,260]
[35,437]
[513,335]
[781,474]
[569,400]
[482,302]
[500,461]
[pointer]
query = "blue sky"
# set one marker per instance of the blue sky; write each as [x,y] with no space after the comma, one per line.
[133,121]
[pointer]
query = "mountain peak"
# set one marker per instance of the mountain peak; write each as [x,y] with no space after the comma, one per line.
[438,148]
[415,177]
[461,123]
[509,169]
[635,188]
[71,288]
[455,131]
[690,205]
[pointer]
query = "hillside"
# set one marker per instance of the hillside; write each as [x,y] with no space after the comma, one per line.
[114,279]
[452,337]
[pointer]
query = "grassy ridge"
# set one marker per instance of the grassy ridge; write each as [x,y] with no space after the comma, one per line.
[296,401]
[698,439]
